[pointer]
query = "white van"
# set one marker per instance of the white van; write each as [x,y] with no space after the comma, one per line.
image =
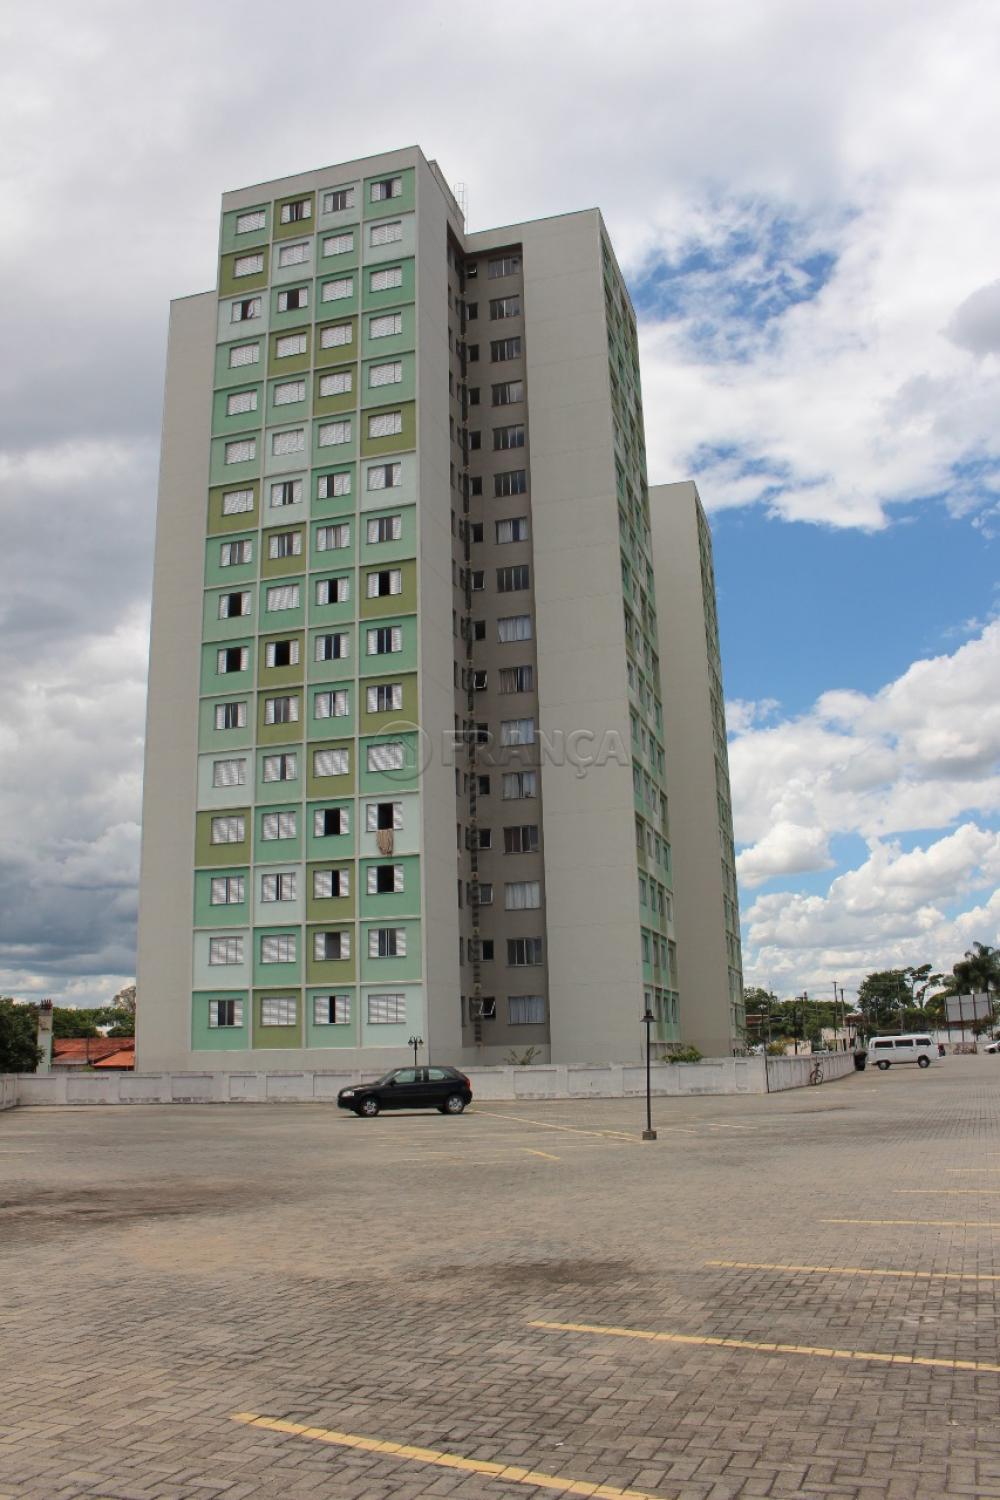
[916,1047]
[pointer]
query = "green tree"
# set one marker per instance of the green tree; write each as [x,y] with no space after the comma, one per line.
[978,972]
[882,999]
[120,1014]
[69,1021]
[19,1051]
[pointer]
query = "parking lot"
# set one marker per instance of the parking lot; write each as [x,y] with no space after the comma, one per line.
[785,1295]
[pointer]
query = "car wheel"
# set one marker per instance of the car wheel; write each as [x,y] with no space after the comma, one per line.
[923,1062]
[369,1107]
[882,1064]
[454,1104]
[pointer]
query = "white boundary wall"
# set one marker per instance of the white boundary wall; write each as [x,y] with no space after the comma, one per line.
[724,1075]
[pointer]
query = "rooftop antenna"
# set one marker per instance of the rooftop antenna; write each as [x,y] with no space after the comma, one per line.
[461,199]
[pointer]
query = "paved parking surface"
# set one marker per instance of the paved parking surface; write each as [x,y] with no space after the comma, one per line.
[784,1296]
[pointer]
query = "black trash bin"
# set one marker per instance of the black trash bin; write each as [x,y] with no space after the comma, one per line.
[860,1059]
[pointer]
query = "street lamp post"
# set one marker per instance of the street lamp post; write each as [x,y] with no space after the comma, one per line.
[415,1042]
[649,1134]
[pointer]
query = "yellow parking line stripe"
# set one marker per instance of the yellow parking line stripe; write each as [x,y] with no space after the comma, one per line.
[767,1265]
[953,1223]
[548,1125]
[442,1460]
[757,1346]
[547,1155]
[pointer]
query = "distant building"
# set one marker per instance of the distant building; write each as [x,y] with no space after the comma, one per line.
[93,1052]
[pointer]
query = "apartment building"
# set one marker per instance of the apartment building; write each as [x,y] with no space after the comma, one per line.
[405,765]
[701,828]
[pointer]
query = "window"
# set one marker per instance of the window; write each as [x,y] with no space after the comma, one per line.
[519,784]
[385,529]
[508,393]
[505,307]
[512,580]
[385,639]
[480,680]
[336,291]
[387,187]
[508,437]
[521,839]
[385,424]
[523,952]
[385,279]
[338,200]
[330,883]
[231,605]
[388,374]
[241,452]
[250,222]
[332,433]
[230,715]
[340,383]
[288,442]
[386,1010]
[235,502]
[389,581]
[517,679]
[501,349]
[387,942]
[278,825]
[233,554]
[225,1013]
[278,1010]
[515,482]
[281,653]
[285,596]
[333,538]
[288,392]
[503,265]
[385,325]
[292,300]
[332,591]
[336,335]
[286,492]
[280,768]
[330,822]
[243,354]
[331,1010]
[336,647]
[387,757]
[331,945]
[291,344]
[278,887]
[245,311]
[386,234]
[478,579]
[225,950]
[328,486]
[522,895]
[227,890]
[514,530]
[331,763]
[384,879]
[232,659]
[281,710]
[284,544]
[485,894]
[338,244]
[385,476]
[332,705]
[382,698]
[383,815]
[514,628]
[526,1010]
[293,213]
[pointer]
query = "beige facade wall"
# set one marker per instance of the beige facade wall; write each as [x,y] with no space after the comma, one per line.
[696,837]
[166,881]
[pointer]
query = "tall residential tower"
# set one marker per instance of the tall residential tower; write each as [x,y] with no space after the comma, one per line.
[405,768]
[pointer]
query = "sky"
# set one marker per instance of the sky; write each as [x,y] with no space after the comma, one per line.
[803,200]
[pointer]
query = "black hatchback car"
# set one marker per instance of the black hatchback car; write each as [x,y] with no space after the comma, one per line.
[440,1088]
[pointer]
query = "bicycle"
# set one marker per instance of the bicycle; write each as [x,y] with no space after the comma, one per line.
[816,1075]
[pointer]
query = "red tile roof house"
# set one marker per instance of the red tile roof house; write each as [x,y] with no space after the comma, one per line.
[113,1052]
